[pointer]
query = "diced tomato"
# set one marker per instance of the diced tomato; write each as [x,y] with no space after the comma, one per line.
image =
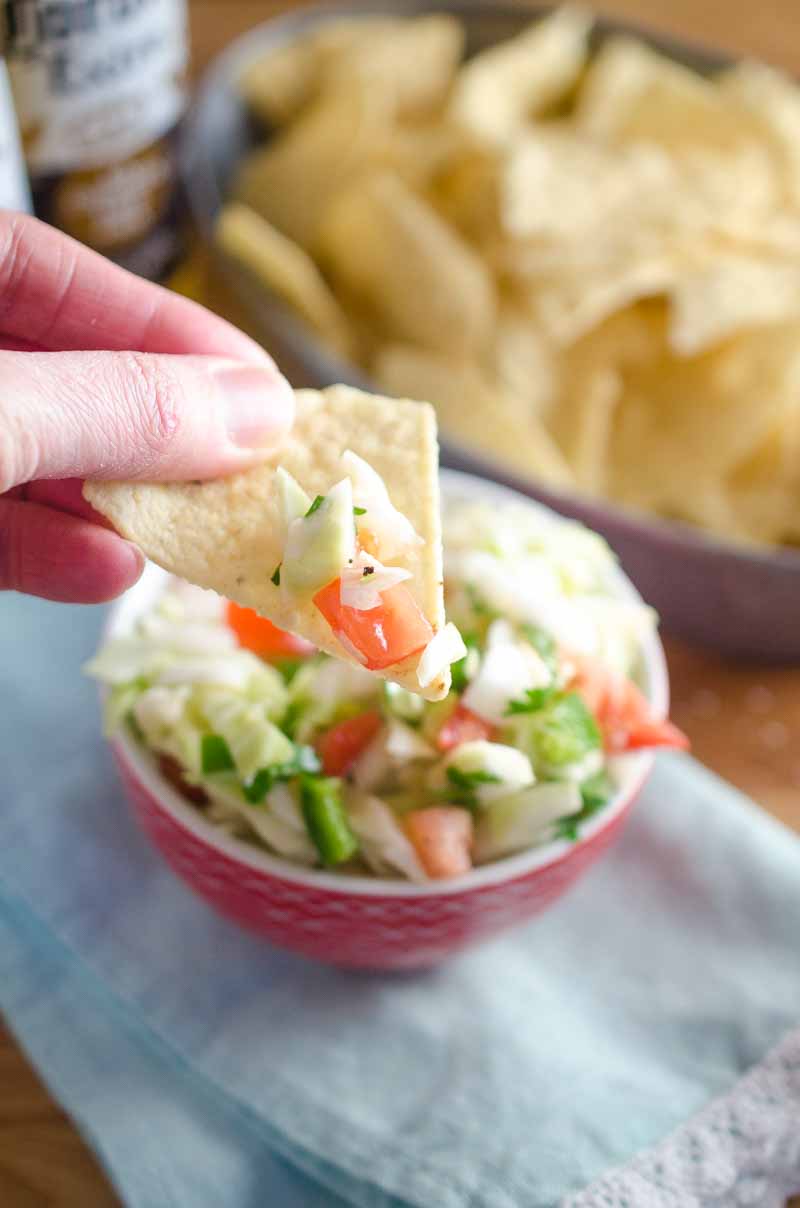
[442,838]
[381,636]
[621,709]
[462,726]
[261,636]
[656,734]
[590,680]
[340,747]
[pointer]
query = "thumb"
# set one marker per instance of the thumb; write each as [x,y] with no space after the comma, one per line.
[121,415]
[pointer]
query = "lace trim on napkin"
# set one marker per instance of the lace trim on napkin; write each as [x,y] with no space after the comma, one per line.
[741,1151]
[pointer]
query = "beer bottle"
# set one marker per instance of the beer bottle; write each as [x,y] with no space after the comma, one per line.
[100,87]
[14,191]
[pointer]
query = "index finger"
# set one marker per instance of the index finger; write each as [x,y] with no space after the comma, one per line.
[60,296]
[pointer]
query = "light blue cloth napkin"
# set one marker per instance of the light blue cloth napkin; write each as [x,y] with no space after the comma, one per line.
[208,1070]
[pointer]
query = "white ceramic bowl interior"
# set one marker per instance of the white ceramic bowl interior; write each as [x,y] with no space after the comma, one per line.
[630,770]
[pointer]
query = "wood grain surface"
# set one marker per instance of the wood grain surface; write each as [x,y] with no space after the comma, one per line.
[744,721]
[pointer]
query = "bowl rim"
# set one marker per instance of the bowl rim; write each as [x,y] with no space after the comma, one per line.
[634,769]
[280,29]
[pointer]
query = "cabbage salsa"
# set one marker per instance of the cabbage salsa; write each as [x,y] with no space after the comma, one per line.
[325,765]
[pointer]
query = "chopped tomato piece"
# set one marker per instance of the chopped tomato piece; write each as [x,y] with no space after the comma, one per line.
[656,734]
[621,709]
[340,747]
[380,636]
[442,838]
[590,679]
[261,636]
[462,726]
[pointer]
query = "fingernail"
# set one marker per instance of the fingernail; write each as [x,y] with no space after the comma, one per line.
[259,405]
[138,561]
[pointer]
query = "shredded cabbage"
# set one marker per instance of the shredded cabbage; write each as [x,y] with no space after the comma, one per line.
[254,741]
[383,842]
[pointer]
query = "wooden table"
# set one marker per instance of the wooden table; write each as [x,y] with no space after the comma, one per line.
[744,721]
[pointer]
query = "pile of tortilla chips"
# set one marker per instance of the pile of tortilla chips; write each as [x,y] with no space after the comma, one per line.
[589,263]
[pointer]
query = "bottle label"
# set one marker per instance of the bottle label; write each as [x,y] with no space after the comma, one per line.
[95,81]
[14,191]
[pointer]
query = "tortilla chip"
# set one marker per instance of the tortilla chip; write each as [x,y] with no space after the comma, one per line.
[771,101]
[524,362]
[632,93]
[278,84]
[391,249]
[583,424]
[411,61]
[544,193]
[481,416]
[685,425]
[285,269]
[226,535]
[292,180]
[500,89]
[728,296]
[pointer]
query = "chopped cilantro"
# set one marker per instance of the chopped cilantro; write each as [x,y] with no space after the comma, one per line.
[477,602]
[544,645]
[596,791]
[534,700]
[318,502]
[215,755]
[291,717]
[287,667]
[275,577]
[305,761]
[466,785]
[460,668]
[561,732]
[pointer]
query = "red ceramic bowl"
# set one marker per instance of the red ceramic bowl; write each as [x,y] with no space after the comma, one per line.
[360,921]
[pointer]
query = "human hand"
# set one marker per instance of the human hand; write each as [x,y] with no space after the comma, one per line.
[103,375]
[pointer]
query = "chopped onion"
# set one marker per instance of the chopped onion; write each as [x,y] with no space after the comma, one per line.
[363,581]
[508,670]
[510,768]
[393,531]
[517,822]
[404,744]
[445,647]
